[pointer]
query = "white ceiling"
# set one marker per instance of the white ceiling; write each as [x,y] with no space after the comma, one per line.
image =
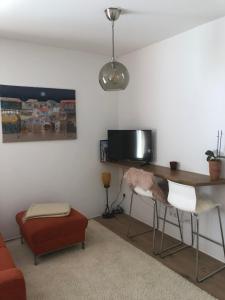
[82,25]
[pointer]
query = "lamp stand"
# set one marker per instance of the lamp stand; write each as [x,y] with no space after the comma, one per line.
[107,214]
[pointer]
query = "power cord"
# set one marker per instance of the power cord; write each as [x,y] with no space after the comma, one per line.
[118,209]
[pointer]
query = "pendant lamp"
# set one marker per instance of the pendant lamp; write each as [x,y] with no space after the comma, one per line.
[113,76]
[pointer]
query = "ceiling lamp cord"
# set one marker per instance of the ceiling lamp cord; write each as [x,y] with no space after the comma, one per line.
[113,43]
[113,76]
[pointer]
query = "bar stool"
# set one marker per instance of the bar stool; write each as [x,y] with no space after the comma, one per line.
[185,198]
[137,190]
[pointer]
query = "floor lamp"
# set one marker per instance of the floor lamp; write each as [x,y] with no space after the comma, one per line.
[106,179]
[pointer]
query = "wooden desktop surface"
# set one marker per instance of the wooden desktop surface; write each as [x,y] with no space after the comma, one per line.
[184,177]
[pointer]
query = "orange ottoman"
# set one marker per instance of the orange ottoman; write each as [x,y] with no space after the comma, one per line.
[44,235]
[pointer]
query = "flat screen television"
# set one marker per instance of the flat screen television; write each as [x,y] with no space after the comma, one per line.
[135,145]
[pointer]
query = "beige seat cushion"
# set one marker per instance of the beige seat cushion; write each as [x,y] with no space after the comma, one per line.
[204,204]
[42,210]
[142,192]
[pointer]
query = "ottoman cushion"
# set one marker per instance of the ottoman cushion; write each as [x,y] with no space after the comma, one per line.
[49,234]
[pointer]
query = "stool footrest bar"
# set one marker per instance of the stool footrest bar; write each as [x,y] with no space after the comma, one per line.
[137,234]
[210,274]
[180,246]
[209,239]
[170,222]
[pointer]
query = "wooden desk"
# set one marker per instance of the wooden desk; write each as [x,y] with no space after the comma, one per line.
[184,177]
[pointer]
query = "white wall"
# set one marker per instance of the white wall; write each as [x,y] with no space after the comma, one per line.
[55,170]
[177,88]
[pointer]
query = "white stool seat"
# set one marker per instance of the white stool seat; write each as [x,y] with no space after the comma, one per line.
[204,204]
[138,190]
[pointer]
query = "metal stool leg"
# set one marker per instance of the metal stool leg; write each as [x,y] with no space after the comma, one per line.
[197,277]
[155,226]
[221,230]
[163,229]
[192,231]
[177,247]
[157,215]
[130,210]
[178,219]
[197,250]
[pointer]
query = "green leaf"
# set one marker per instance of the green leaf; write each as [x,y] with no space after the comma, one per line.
[210,153]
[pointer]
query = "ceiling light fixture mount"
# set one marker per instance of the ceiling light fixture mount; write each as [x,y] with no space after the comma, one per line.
[113,76]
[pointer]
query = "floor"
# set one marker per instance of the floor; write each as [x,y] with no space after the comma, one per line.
[181,262]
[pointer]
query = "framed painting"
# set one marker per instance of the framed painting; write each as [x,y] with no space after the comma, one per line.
[37,114]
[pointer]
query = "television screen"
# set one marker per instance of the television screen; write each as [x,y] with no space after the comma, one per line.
[130,145]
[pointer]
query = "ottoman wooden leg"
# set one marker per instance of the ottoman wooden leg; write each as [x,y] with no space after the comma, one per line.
[21,240]
[83,245]
[35,260]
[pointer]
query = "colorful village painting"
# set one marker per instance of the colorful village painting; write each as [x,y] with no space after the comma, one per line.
[37,114]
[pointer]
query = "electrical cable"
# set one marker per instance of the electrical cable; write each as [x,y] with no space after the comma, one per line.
[120,189]
[121,201]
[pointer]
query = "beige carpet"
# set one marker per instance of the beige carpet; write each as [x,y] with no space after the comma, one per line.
[109,268]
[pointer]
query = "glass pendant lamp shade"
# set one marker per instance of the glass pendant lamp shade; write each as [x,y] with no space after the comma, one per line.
[113,76]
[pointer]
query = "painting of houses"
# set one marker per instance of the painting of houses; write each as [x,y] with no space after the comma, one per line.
[37,114]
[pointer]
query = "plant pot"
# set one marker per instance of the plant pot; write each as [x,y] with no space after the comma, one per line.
[214,169]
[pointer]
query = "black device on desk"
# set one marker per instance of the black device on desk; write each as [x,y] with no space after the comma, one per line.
[134,145]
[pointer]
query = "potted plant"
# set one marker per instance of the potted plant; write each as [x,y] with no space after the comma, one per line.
[214,159]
